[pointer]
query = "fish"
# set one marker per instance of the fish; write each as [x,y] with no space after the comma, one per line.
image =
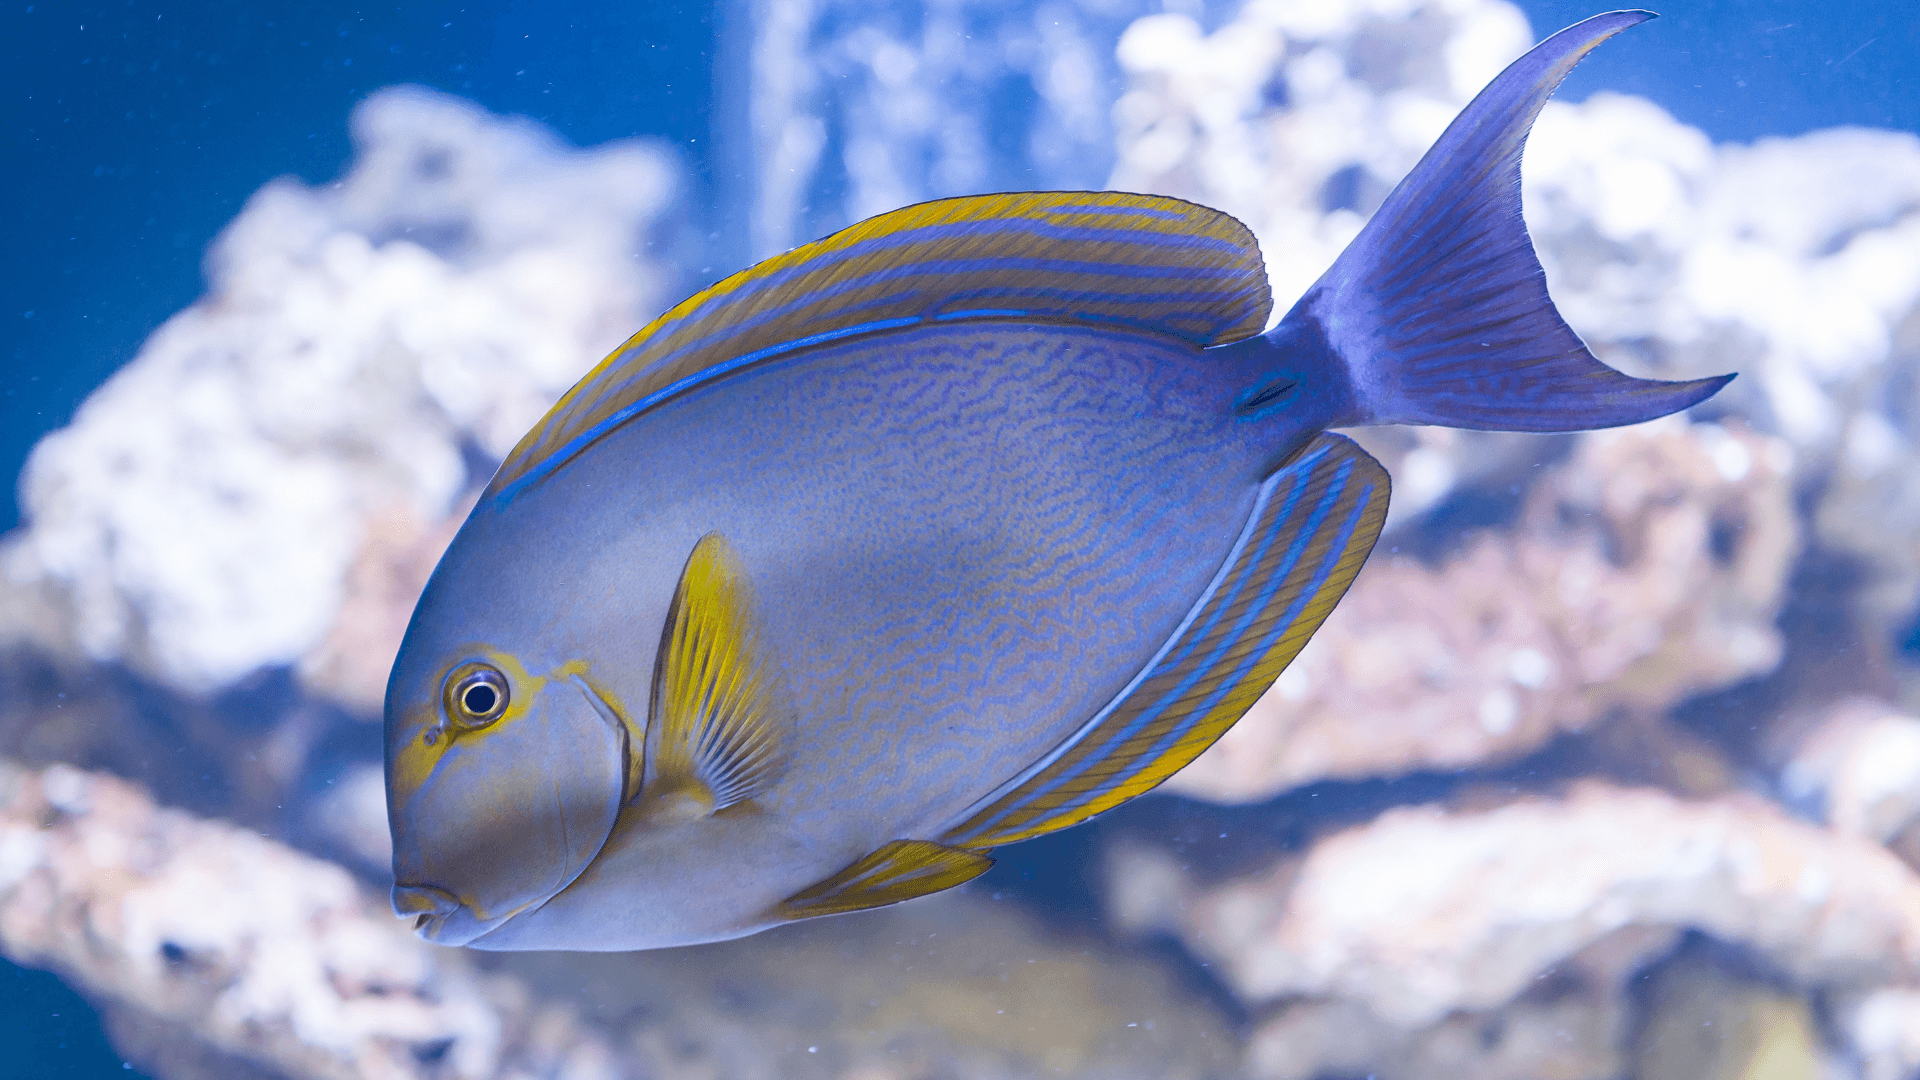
[955,528]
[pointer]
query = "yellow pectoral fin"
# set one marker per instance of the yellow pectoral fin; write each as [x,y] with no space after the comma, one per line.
[716,739]
[899,871]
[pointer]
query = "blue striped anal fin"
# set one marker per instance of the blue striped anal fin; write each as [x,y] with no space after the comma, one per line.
[897,871]
[1140,261]
[1314,523]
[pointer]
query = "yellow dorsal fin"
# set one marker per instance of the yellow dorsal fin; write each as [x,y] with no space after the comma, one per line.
[715,739]
[1101,258]
[898,871]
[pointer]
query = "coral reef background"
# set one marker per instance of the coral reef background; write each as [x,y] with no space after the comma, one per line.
[1609,766]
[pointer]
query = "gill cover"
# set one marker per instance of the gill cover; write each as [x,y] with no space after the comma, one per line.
[492,820]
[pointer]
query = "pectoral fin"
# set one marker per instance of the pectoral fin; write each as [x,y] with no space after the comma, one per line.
[1312,527]
[899,871]
[715,741]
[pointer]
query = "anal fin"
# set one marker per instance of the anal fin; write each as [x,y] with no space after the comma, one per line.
[1312,527]
[898,871]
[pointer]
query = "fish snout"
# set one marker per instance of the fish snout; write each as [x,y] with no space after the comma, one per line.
[438,915]
[504,816]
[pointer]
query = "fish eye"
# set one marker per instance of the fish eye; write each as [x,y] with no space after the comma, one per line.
[476,695]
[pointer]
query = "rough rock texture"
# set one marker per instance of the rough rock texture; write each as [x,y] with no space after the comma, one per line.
[1649,567]
[1859,768]
[1884,1028]
[856,107]
[1421,911]
[1703,1023]
[361,349]
[1425,915]
[216,949]
[1569,1025]
[1794,261]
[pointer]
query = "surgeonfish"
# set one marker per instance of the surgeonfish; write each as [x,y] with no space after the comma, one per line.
[955,528]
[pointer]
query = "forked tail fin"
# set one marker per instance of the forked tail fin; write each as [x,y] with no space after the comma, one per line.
[1439,308]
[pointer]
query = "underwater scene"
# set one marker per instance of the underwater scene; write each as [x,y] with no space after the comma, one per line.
[1604,763]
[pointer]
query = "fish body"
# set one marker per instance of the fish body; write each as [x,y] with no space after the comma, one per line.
[950,530]
[951,569]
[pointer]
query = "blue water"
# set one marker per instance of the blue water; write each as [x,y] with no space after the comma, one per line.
[134,131]
[1741,71]
[51,1033]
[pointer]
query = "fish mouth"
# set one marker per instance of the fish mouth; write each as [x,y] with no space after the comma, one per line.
[438,915]
[463,865]
[444,919]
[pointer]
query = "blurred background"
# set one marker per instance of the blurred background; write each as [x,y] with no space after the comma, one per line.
[1609,765]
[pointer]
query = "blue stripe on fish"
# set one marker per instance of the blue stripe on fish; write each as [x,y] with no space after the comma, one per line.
[982,313]
[1312,526]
